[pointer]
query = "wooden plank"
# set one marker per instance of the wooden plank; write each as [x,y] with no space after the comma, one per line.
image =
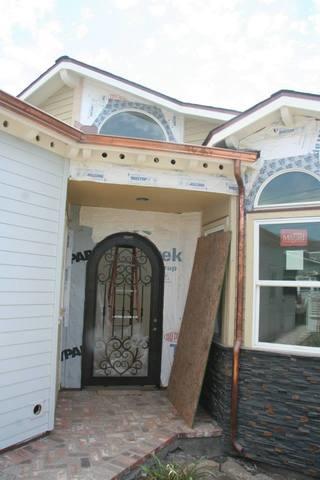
[33,173]
[28,273]
[27,221]
[25,285]
[29,184]
[31,398]
[25,260]
[19,390]
[8,191]
[28,427]
[198,322]
[18,363]
[20,414]
[7,312]
[9,378]
[26,298]
[25,209]
[27,247]
[31,155]
[25,323]
[33,235]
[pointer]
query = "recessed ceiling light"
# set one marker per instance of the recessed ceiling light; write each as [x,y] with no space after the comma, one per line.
[142,199]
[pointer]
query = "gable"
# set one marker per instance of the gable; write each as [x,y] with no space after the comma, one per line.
[197,129]
[60,104]
[70,72]
[100,102]
[86,97]
[282,107]
[278,140]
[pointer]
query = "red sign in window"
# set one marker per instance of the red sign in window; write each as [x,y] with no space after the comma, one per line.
[171,337]
[290,237]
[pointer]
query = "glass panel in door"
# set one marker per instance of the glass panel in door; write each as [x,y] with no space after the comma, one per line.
[122,316]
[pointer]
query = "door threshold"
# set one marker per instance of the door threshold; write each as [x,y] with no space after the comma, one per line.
[122,387]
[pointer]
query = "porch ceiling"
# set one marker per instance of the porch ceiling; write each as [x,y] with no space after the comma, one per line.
[125,197]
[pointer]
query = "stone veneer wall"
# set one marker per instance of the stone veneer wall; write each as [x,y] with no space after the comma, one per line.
[279,409]
[216,390]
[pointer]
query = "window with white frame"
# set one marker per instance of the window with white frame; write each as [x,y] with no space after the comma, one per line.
[133,124]
[290,189]
[287,283]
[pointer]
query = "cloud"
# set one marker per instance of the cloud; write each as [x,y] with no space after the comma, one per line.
[229,53]
[125,4]
[81,30]
[82,26]
[236,53]
[157,9]
[86,13]
[39,40]
[21,14]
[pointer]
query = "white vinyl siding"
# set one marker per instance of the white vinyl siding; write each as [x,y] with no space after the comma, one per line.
[60,104]
[196,130]
[32,206]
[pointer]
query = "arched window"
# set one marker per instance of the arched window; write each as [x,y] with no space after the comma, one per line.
[289,189]
[133,124]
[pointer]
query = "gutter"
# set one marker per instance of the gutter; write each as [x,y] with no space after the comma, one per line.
[34,114]
[239,312]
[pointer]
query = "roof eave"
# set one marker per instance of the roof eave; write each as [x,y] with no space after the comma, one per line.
[94,73]
[283,98]
[37,116]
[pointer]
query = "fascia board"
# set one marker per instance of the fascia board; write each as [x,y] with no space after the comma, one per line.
[39,83]
[37,120]
[272,107]
[166,103]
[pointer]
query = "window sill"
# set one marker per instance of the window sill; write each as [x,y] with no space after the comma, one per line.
[288,349]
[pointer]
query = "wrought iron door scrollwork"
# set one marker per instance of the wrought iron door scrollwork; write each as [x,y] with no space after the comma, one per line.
[124,267]
[124,275]
[123,356]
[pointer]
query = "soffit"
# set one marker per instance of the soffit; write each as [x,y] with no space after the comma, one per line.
[168,200]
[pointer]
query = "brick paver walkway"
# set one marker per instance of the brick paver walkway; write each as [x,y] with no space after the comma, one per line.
[102,434]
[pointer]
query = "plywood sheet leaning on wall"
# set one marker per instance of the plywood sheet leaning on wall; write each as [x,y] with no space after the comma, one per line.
[198,322]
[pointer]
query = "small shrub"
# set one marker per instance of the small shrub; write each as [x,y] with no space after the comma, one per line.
[174,471]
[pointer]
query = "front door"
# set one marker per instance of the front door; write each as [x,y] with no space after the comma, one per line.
[123,313]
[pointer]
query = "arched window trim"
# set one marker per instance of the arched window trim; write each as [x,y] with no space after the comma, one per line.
[137,110]
[283,205]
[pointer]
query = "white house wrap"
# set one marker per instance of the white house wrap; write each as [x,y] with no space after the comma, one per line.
[174,234]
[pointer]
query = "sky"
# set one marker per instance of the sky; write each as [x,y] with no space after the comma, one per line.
[225,53]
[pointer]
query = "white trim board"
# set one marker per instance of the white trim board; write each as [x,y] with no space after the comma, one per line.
[247,121]
[69,66]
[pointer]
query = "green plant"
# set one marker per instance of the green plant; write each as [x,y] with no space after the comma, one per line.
[175,471]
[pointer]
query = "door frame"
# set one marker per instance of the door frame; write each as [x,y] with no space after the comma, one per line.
[128,239]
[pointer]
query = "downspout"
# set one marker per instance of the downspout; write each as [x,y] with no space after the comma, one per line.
[239,312]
